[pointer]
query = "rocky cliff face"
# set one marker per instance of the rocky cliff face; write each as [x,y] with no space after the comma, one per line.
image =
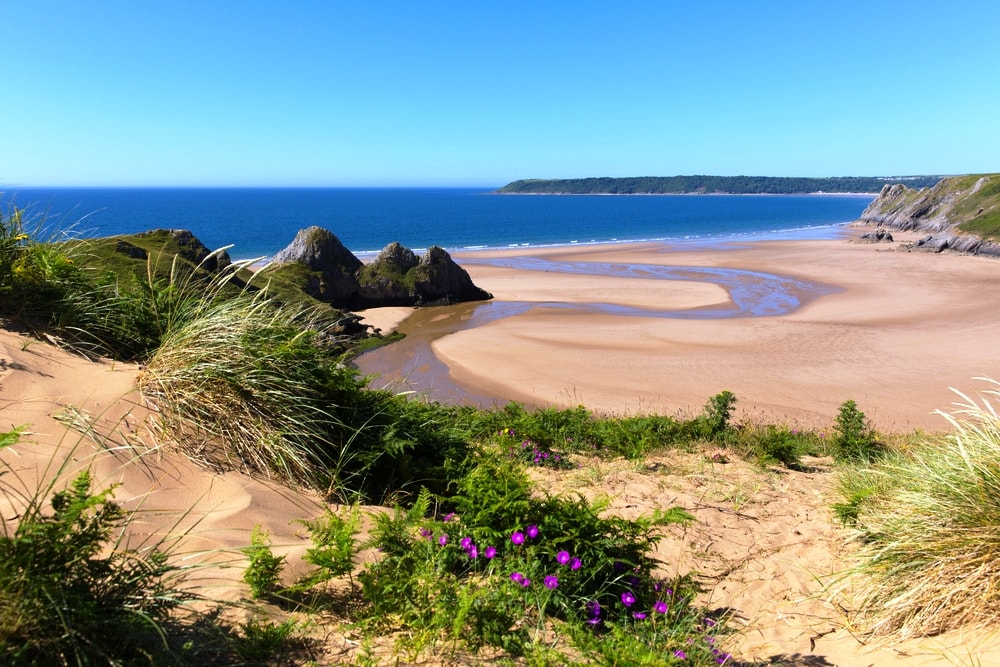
[332,266]
[940,211]
[397,277]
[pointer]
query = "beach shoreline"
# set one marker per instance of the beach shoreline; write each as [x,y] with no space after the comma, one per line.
[894,331]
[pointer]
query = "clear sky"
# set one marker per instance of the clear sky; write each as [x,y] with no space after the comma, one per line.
[470,92]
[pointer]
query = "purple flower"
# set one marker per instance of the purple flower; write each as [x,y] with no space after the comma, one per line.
[490,552]
[516,576]
[426,533]
[628,599]
[443,540]
[517,537]
[466,542]
[639,615]
[551,582]
[680,654]
[473,552]
[575,564]
[448,517]
[594,608]
[526,582]
[660,607]
[562,557]
[532,531]
[724,658]
[710,622]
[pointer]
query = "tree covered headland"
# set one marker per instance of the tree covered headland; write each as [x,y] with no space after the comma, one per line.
[666,185]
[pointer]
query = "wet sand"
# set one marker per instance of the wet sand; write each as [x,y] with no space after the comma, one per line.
[792,328]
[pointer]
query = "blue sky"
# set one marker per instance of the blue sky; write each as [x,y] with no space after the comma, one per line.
[245,93]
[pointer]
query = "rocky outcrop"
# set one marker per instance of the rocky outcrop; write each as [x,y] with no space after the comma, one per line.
[441,280]
[942,211]
[396,277]
[332,267]
[880,235]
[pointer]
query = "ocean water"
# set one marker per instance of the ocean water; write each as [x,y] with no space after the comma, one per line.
[258,222]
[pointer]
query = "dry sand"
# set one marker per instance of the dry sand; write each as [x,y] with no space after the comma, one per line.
[900,329]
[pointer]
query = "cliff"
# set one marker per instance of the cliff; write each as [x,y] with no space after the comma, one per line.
[960,213]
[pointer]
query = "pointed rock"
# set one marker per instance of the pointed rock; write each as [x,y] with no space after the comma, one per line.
[320,251]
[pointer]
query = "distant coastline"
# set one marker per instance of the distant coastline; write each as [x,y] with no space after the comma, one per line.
[713,185]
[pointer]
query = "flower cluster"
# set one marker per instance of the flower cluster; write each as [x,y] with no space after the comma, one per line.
[635,599]
[530,453]
[551,581]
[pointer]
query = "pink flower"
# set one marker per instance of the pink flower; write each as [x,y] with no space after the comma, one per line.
[562,557]
[575,564]
[532,531]
[551,582]
[660,607]
[443,540]
[490,552]
[628,599]
[517,537]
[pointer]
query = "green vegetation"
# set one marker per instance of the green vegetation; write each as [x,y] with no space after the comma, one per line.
[471,555]
[61,599]
[927,519]
[663,185]
[978,212]
[855,440]
[74,591]
[263,574]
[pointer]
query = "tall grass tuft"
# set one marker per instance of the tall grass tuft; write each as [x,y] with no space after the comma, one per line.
[930,557]
[244,383]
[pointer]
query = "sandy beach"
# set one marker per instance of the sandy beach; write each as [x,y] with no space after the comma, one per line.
[890,328]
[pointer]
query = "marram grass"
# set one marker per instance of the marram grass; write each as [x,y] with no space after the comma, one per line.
[244,384]
[930,555]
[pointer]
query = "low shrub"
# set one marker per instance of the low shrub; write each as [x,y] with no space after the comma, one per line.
[264,568]
[71,591]
[854,438]
[495,565]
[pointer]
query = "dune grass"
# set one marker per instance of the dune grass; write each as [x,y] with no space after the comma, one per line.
[928,521]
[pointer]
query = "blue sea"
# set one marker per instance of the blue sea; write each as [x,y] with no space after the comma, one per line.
[258,222]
